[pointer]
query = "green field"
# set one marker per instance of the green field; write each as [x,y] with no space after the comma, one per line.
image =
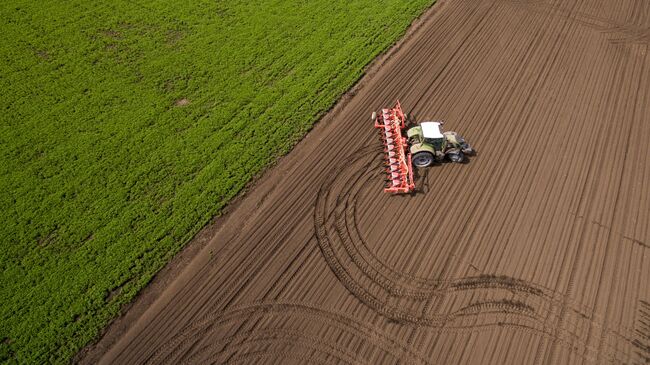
[126,127]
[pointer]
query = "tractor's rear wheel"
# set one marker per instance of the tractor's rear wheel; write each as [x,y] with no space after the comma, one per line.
[423,159]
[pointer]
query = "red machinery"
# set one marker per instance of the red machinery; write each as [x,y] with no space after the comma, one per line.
[398,162]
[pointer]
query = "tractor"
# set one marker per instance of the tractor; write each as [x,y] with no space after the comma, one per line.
[429,144]
[426,144]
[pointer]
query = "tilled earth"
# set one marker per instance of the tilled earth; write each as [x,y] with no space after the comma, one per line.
[532,252]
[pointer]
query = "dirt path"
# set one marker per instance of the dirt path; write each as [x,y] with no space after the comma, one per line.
[532,253]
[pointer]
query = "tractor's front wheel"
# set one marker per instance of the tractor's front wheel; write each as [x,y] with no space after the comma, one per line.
[456,155]
[423,159]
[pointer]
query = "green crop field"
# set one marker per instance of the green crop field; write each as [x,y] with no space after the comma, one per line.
[127,125]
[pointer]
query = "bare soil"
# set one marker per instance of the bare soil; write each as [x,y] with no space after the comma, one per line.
[533,252]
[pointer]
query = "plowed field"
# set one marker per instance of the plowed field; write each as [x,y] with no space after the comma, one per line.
[533,252]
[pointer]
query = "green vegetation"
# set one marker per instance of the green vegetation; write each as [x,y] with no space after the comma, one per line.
[125,127]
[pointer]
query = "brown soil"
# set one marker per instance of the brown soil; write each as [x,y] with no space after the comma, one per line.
[182,102]
[534,252]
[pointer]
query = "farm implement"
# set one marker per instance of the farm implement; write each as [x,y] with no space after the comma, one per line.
[423,145]
[398,163]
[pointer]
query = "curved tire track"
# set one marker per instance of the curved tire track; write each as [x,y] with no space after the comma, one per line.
[184,347]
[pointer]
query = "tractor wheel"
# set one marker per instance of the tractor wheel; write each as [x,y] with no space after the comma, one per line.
[422,159]
[456,156]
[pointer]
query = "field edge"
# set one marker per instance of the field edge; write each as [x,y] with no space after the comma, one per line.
[260,186]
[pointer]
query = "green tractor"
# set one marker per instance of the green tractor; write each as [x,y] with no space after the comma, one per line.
[429,144]
[426,144]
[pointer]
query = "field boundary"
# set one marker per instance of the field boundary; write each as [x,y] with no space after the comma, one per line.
[249,199]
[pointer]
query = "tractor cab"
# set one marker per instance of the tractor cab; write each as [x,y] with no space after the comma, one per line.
[427,143]
[432,135]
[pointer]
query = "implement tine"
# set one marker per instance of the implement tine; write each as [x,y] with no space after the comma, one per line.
[397,166]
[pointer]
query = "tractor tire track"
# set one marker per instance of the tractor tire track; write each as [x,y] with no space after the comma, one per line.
[396,284]
[169,352]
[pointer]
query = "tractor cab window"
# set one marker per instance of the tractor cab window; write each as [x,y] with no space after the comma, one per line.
[437,143]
